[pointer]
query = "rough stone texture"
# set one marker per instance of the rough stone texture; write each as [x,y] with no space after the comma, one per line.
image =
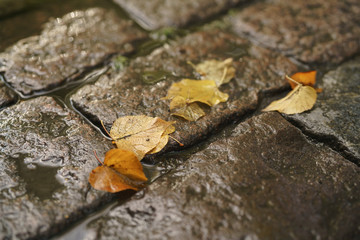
[336,114]
[164,13]
[6,96]
[129,92]
[265,181]
[45,159]
[313,32]
[66,48]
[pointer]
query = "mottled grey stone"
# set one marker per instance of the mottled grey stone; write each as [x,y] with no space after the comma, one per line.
[7,97]
[66,48]
[164,13]
[265,181]
[319,31]
[137,89]
[336,114]
[45,159]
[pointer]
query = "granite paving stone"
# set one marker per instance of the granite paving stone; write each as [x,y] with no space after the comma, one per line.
[45,159]
[335,116]
[325,32]
[66,48]
[137,89]
[264,181]
[155,14]
[7,97]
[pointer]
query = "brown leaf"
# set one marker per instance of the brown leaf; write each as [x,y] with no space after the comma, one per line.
[121,171]
[139,134]
[300,99]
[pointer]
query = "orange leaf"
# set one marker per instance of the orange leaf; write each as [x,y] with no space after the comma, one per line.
[106,179]
[121,171]
[305,78]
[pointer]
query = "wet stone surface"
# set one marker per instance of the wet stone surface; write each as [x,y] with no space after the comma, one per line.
[138,88]
[164,13]
[7,97]
[66,48]
[335,116]
[45,159]
[265,181]
[312,32]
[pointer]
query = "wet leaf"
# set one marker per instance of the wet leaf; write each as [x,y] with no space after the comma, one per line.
[163,140]
[300,99]
[139,134]
[190,111]
[304,78]
[204,91]
[121,171]
[219,71]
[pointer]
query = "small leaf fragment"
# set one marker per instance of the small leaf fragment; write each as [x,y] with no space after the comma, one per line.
[204,91]
[300,99]
[219,71]
[190,111]
[305,78]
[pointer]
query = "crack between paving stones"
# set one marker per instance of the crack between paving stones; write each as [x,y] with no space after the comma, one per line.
[330,141]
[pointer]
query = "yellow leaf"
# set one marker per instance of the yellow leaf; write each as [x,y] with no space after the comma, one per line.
[163,140]
[190,111]
[139,134]
[204,91]
[120,171]
[300,99]
[219,71]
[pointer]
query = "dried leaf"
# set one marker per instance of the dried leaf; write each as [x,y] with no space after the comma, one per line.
[300,99]
[190,111]
[125,163]
[204,91]
[163,140]
[139,134]
[121,171]
[219,71]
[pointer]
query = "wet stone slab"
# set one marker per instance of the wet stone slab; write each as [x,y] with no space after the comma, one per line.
[7,97]
[164,13]
[138,88]
[336,114]
[45,159]
[313,32]
[265,181]
[66,48]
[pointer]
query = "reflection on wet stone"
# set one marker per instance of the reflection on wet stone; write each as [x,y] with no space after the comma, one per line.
[124,93]
[66,48]
[46,156]
[265,181]
[324,32]
[164,13]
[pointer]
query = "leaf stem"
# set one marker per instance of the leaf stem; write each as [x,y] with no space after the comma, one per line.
[290,79]
[102,124]
[97,158]
[181,144]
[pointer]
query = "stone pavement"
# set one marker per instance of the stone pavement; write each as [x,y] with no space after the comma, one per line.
[242,174]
